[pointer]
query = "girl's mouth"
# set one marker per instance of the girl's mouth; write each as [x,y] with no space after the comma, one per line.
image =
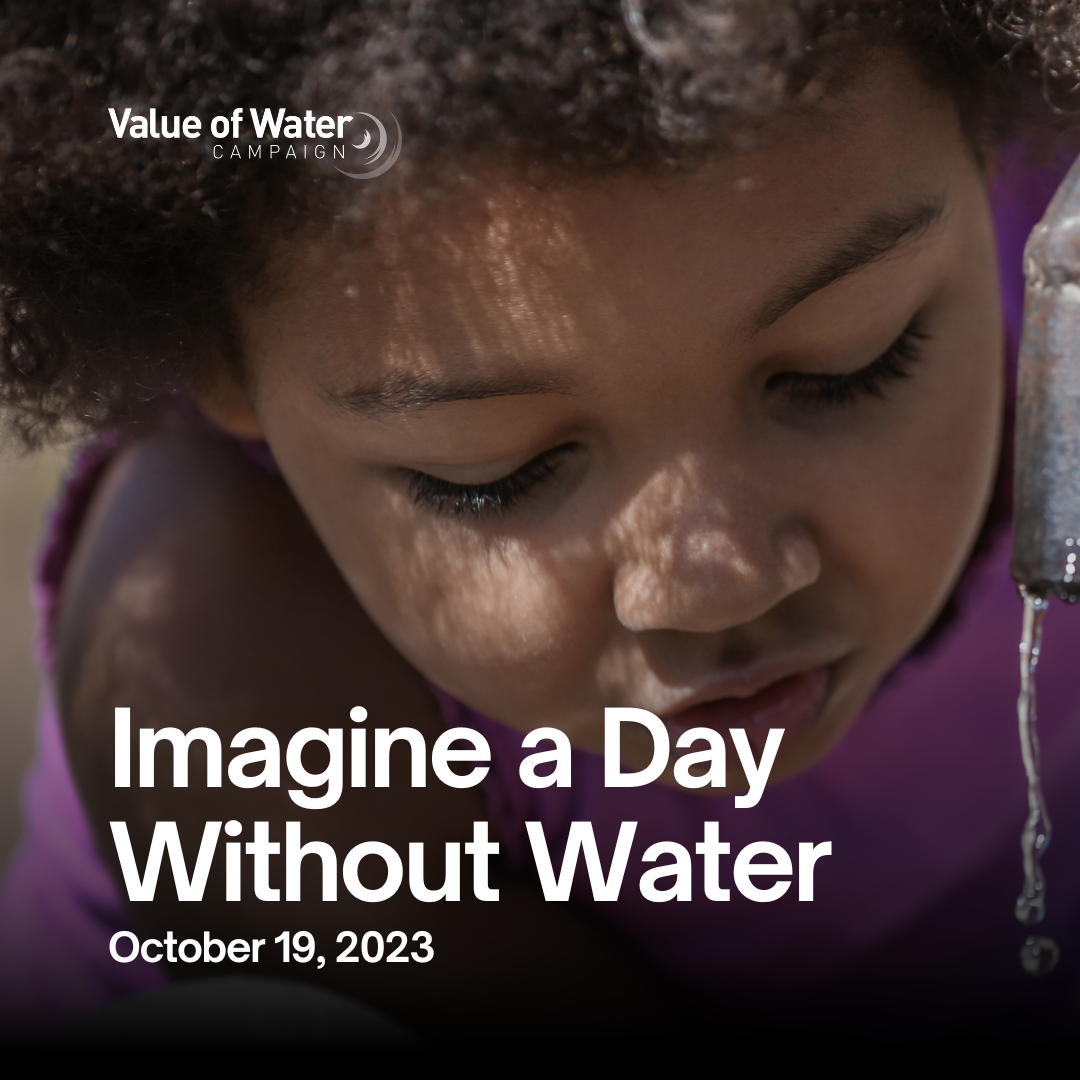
[792,703]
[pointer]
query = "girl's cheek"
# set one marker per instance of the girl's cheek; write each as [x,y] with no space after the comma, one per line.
[897,516]
[933,508]
[501,623]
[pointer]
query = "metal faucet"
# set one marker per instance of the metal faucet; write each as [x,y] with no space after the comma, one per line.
[1046,536]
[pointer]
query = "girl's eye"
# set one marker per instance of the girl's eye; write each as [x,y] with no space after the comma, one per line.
[496,497]
[893,364]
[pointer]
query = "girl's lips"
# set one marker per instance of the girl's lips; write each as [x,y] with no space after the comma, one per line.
[792,703]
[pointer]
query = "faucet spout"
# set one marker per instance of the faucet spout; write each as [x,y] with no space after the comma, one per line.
[1046,536]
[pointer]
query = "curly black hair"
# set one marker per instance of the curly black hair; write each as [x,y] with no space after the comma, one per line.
[118,256]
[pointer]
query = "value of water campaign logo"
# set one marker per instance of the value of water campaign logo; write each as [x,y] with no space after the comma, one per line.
[378,152]
[358,145]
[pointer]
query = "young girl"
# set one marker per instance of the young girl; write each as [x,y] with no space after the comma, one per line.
[663,370]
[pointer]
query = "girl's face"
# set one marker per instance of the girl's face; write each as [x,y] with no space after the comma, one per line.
[715,446]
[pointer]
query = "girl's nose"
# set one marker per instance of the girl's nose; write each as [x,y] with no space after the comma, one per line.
[704,561]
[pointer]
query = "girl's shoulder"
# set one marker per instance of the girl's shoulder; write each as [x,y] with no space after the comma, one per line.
[193,591]
[196,586]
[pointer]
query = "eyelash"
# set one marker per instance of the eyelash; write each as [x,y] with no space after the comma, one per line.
[500,496]
[892,365]
[497,497]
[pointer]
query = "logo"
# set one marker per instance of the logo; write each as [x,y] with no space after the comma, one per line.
[379,150]
[280,135]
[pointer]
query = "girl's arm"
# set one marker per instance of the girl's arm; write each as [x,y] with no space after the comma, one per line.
[198,595]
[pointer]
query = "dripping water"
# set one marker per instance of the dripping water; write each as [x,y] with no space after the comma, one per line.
[1038,955]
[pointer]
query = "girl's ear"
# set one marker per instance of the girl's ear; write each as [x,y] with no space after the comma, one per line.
[224,401]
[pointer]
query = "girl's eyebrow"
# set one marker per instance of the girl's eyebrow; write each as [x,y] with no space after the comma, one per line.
[870,241]
[403,391]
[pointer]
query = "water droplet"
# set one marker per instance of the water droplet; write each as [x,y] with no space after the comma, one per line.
[1039,955]
[1030,910]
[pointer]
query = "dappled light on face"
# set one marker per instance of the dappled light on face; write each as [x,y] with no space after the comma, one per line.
[498,276]
[703,554]
[696,518]
[504,595]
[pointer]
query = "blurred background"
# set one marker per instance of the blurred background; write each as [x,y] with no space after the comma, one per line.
[27,485]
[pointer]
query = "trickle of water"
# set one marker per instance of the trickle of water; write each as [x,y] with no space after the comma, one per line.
[1039,954]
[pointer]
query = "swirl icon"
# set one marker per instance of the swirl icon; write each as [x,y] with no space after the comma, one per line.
[378,152]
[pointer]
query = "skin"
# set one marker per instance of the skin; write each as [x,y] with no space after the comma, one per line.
[711,529]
